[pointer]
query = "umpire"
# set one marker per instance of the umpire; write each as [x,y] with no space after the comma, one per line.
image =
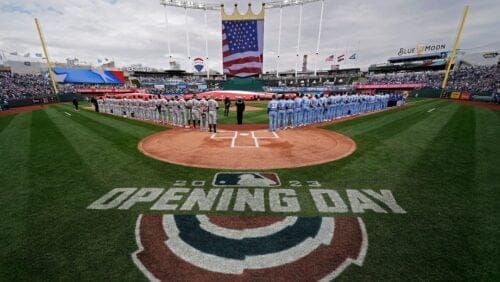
[240,108]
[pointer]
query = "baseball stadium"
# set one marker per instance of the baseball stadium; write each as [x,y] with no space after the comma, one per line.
[275,140]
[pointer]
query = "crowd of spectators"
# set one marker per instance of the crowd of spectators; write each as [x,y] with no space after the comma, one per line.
[473,79]
[15,86]
[430,78]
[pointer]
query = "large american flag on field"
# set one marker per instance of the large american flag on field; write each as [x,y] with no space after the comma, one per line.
[242,47]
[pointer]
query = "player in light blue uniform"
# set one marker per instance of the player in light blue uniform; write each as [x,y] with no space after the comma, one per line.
[355,102]
[282,112]
[330,104]
[290,105]
[306,110]
[314,108]
[323,108]
[272,110]
[297,111]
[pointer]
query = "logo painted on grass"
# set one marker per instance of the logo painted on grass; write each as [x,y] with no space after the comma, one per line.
[274,244]
[227,248]
[246,179]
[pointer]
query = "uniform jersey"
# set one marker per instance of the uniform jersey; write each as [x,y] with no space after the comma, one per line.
[182,104]
[212,105]
[203,106]
[272,105]
[195,105]
[298,103]
[281,105]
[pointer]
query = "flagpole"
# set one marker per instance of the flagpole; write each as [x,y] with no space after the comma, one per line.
[206,45]
[319,37]
[279,42]
[49,66]
[298,44]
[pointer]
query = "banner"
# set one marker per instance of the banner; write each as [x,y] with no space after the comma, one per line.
[242,42]
[68,75]
[455,95]
[421,49]
[390,86]
[465,96]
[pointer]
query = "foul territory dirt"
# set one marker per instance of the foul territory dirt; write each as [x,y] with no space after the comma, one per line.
[247,147]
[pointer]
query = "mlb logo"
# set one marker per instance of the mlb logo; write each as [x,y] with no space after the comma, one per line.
[246,179]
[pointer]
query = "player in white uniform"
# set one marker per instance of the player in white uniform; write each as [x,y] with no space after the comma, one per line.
[189,111]
[182,112]
[195,111]
[175,107]
[213,106]
[164,110]
[204,114]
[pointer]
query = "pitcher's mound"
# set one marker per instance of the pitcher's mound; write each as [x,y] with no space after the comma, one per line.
[247,149]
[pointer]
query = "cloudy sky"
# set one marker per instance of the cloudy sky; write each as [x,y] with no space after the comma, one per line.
[134,32]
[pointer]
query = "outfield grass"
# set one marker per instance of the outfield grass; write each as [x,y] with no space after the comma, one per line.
[442,167]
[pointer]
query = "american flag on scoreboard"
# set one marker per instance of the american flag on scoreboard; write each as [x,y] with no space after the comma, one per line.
[242,47]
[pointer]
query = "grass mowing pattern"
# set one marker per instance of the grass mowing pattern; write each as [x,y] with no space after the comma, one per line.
[442,167]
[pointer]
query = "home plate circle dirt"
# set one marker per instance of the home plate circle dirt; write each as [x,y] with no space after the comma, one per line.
[247,147]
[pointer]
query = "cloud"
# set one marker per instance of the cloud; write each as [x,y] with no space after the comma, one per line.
[133,32]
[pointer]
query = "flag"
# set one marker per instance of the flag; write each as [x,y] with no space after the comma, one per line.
[352,57]
[39,55]
[27,55]
[13,53]
[242,43]
[330,58]
[340,58]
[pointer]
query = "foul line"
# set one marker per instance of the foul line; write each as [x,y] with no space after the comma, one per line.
[67,113]
[430,111]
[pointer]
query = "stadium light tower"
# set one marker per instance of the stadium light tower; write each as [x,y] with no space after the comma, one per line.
[200,5]
[217,6]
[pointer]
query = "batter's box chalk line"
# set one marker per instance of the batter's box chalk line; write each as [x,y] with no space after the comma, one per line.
[234,135]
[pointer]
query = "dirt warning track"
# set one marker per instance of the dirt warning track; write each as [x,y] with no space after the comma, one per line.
[247,147]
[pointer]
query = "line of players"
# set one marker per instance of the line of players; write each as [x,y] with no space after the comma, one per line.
[175,111]
[302,110]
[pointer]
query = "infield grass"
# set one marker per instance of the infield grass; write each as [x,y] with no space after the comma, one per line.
[442,167]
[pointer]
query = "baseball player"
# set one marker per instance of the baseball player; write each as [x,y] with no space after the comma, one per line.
[323,105]
[164,110]
[204,114]
[272,111]
[170,106]
[182,112]
[290,105]
[314,108]
[213,106]
[282,112]
[195,111]
[175,106]
[297,111]
[306,110]
[189,111]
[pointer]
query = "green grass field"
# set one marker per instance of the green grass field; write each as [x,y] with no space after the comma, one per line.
[442,167]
